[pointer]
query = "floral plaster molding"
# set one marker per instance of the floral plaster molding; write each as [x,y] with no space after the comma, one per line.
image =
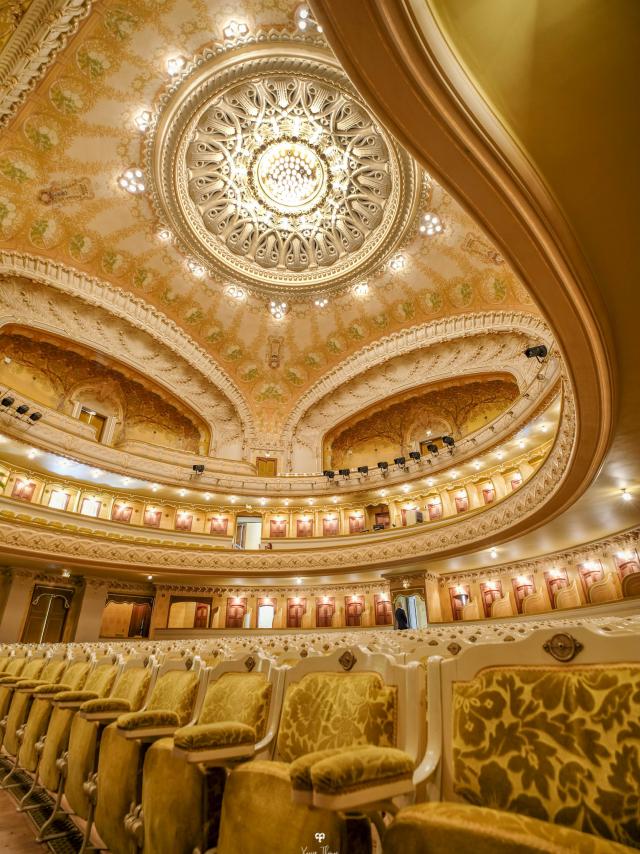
[21,536]
[41,34]
[136,312]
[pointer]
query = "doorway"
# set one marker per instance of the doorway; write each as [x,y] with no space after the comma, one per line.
[414,607]
[47,615]
[248,532]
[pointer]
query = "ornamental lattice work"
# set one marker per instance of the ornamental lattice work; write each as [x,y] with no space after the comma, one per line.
[272,174]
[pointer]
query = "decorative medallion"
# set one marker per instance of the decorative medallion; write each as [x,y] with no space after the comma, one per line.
[250,663]
[454,648]
[563,647]
[347,660]
[272,173]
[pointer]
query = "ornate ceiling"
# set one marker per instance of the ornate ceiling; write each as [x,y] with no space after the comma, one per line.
[63,153]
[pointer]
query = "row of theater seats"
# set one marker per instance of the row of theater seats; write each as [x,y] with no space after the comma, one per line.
[456,737]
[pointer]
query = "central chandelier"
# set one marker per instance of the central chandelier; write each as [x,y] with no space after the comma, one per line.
[290,175]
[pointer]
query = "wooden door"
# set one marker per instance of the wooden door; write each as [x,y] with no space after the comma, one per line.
[236,609]
[324,615]
[140,620]
[384,617]
[353,613]
[295,613]
[47,615]
[201,616]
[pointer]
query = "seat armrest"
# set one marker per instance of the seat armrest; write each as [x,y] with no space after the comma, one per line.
[148,725]
[361,777]
[104,710]
[73,699]
[216,743]
[27,686]
[49,689]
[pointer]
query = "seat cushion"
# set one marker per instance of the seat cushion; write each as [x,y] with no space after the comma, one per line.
[210,736]
[148,719]
[440,828]
[356,769]
[258,814]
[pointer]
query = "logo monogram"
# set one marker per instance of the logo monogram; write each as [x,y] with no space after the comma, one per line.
[320,837]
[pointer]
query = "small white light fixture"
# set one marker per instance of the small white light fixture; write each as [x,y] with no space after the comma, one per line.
[298,581]
[132,180]
[430,481]
[155,487]
[235,30]
[236,293]
[382,493]
[321,302]
[397,263]
[335,499]
[361,289]
[544,428]
[196,269]
[405,487]
[263,501]
[277,309]
[311,501]
[493,553]
[164,235]
[476,464]
[175,64]
[207,496]
[149,577]
[126,481]
[521,443]
[430,224]
[453,475]
[626,496]
[142,120]
[182,493]
[233,499]
[32,453]
[286,502]
[499,454]
[66,573]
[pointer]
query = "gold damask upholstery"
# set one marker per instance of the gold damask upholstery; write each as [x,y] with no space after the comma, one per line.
[321,712]
[560,744]
[442,828]
[209,736]
[148,718]
[300,768]
[364,766]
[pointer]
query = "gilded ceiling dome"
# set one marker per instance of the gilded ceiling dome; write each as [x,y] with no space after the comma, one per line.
[274,175]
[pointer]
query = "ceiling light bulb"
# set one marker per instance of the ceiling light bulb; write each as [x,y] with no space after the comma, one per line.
[132,180]
[196,269]
[236,293]
[234,30]
[286,502]
[397,263]
[232,499]
[164,235]
[430,224]
[175,64]
[322,302]
[626,496]
[335,499]
[207,496]
[476,464]
[149,577]
[493,553]
[155,487]
[143,120]
[361,289]
[405,487]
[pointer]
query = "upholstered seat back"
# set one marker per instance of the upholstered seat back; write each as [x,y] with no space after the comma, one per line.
[555,741]
[239,697]
[101,679]
[54,670]
[76,675]
[17,665]
[175,691]
[31,668]
[326,710]
[132,685]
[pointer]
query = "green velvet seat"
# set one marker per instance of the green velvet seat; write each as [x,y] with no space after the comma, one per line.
[322,712]
[235,712]
[120,761]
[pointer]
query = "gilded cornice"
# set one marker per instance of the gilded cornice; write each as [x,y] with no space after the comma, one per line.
[42,33]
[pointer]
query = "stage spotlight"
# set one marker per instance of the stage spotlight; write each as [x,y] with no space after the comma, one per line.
[433,449]
[363,469]
[399,461]
[7,401]
[328,473]
[415,455]
[22,409]
[344,472]
[35,416]
[538,352]
[198,468]
[383,466]
[449,440]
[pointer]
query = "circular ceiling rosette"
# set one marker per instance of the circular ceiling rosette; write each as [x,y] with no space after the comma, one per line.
[272,173]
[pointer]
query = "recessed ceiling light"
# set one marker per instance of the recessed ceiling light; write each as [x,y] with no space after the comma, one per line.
[232,499]
[361,289]
[277,309]
[405,487]
[493,553]
[235,29]
[263,501]
[196,269]
[143,120]
[430,224]
[132,180]
[164,235]
[175,64]
[236,293]
[397,263]
[182,493]
[626,496]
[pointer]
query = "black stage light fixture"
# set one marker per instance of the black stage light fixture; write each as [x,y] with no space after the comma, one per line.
[35,416]
[198,468]
[344,472]
[378,527]
[363,469]
[399,461]
[383,466]
[433,449]
[538,352]
[415,455]
[328,473]
[22,409]
[7,401]
[449,440]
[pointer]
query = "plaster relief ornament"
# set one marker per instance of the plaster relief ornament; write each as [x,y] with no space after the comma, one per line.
[273,174]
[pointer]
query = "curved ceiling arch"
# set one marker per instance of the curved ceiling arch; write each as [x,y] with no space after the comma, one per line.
[420,338]
[135,312]
[143,353]
[409,76]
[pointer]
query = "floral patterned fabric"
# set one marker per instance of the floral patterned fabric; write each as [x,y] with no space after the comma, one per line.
[300,768]
[560,744]
[209,736]
[101,679]
[105,704]
[75,696]
[355,769]
[146,719]
[326,710]
[175,691]
[443,828]
[240,697]
[133,685]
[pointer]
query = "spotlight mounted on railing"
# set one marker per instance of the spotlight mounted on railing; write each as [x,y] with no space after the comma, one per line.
[364,470]
[328,473]
[344,473]
[20,411]
[539,352]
